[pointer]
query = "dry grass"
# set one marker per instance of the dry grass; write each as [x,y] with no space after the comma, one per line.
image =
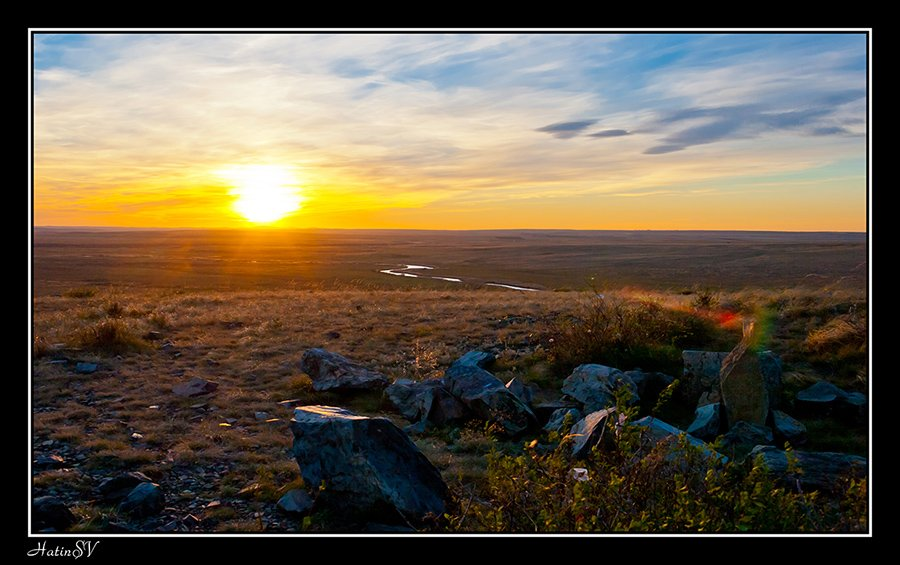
[250,343]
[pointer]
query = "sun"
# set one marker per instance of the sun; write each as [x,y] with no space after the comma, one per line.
[263,193]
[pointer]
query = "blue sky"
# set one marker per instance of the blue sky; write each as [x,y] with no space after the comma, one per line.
[399,130]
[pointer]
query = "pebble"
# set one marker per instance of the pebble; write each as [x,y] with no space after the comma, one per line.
[153,407]
[214,504]
[137,436]
[85,368]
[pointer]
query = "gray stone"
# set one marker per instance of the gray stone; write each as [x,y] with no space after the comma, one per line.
[545,410]
[368,465]
[707,422]
[788,429]
[331,371]
[52,461]
[195,387]
[590,431]
[702,369]
[701,373]
[85,368]
[114,489]
[426,400]
[146,499]
[488,398]
[595,386]
[295,501]
[261,416]
[417,429]
[823,399]
[51,512]
[520,389]
[741,383]
[742,437]
[480,359]
[656,430]
[558,419]
[649,384]
[811,470]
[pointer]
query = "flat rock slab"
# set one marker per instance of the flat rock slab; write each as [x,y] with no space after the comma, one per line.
[817,470]
[788,429]
[656,430]
[590,431]
[332,371]
[707,422]
[488,398]
[195,387]
[595,386]
[480,359]
[368,465]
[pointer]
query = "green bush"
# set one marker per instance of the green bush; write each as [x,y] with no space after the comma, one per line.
[625,334]
[670,487]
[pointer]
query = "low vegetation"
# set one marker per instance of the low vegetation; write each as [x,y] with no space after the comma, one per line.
[214,448]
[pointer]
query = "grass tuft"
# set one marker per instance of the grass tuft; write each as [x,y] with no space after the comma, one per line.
[110,336]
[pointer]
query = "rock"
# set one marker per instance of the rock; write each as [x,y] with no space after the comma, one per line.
[195,387]
[488,398]
[591,431]
[51,512]
[707,422]
[368,465]
[701,373]
[333,334]
[826,399]
[558,418]
[85,368]
[817,470]
[709,397]
[655,431]
[52,461]
[331,371]
[788,429]
[153,335]
[426,400]
[480,359]
[261,416]
[417,429]
[295,501]
[595,386]
[649,385]
[770,368]
[741,383]
[520,389]
[544,411]
[114,489]
[742,437]
[146,499]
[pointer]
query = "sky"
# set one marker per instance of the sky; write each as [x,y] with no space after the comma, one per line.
[742,131]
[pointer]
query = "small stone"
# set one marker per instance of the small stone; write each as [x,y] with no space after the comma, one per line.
[273,420]
[49,461]
[153,335]
[231,420]
[153,407]
[333,335]
[146,499]
[195,387]
[295,501]
[214,504]
[263,416]
[85,368]
[224,425]
[198,405]
[47,443]
[136,436]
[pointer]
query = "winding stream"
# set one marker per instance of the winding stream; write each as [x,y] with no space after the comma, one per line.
[404,272]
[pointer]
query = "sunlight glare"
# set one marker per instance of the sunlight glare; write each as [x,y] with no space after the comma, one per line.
[264,193]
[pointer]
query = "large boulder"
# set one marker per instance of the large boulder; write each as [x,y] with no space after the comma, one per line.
[331,371]
[595,386]
[114,489]
[701,373]
[649,384]
[480,359]
[522,391]
[700,380]
[826,399]
[656,430]
[788,429]
[590,431]
[427,400]
[707,422]
[809,470]
[51,512]
[368,466]
[742,385]
[743,437]
[488,398]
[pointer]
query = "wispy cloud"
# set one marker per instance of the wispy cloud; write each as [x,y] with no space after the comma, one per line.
[411,121]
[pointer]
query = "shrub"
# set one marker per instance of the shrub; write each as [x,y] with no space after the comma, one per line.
[625,334]
[111,336]
[840,345]
[630,487]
